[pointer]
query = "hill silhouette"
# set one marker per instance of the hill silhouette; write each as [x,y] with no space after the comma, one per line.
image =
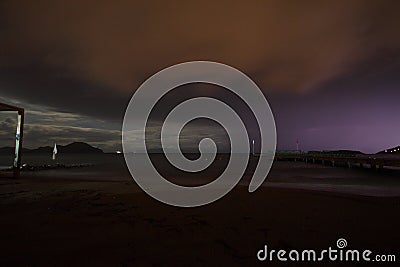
[75,147]
[393,150]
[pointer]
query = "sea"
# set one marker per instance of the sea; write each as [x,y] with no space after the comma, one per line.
[283,174]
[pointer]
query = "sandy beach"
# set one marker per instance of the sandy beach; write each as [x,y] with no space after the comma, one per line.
[50,221]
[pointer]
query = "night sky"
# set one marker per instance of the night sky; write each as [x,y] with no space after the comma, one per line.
[329,69]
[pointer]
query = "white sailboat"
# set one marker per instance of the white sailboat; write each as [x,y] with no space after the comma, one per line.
[55,151]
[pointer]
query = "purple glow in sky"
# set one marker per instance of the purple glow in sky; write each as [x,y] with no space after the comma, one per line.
[329,69]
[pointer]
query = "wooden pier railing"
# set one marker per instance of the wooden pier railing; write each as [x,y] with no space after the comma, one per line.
[372,161]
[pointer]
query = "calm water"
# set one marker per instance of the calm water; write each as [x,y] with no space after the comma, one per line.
[111,167]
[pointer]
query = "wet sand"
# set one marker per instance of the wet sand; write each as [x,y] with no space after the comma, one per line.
[61,222]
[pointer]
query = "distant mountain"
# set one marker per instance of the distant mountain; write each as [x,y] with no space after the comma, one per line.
[337,152]
[393,150]
[10,150]
[7,150]
[76,147]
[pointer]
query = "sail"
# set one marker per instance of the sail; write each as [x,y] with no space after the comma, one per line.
[55,151]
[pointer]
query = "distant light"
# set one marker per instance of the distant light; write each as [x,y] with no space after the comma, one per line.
[118,152]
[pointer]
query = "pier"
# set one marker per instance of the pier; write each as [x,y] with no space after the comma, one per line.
[368,161]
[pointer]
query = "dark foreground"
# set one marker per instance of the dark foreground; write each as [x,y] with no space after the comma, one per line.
[77,223]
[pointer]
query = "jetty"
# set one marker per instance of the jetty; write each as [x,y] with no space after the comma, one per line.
[373,161]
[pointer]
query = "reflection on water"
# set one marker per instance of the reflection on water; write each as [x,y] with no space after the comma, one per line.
[111,167]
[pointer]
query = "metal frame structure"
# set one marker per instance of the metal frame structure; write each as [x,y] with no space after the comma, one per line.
[18,136]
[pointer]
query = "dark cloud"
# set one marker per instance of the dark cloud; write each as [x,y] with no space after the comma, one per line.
[87,57]
[45,126]
[292,46]
[49,134]
[43,135]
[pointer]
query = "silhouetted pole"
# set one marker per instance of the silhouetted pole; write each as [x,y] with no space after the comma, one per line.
[18,143]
